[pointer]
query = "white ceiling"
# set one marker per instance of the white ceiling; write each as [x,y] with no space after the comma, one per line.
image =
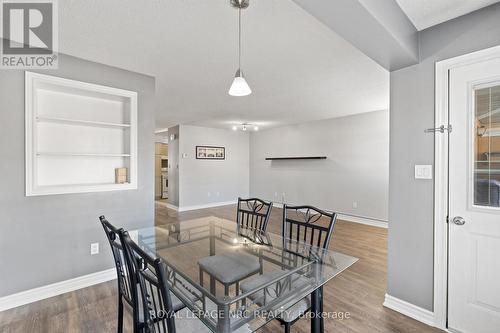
[427,13]
[298,69]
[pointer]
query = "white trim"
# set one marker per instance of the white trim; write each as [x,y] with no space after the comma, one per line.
[441,177]
[364,220]
[209,205]
[374,222]
[54,289]
[410,310]
[168,205]
[341,216]
[441,198]
[174,207]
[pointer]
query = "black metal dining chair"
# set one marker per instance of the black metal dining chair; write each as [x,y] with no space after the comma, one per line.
[125,292]
[126,278]
[308,225]
[253,213]
[157,307]
[303,223]
[231,268]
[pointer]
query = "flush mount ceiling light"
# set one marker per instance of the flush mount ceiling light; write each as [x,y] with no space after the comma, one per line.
[245,126]
[240,86]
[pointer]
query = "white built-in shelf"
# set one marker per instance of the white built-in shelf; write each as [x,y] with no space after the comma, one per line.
[83,188]
[77,135]
[81,154]
[80,122]
[91,184]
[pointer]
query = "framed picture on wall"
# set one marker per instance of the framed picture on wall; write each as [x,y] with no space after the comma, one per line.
[210,153]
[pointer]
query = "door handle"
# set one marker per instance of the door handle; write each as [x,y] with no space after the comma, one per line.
[458,220]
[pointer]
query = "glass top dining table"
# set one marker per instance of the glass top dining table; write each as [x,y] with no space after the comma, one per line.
[295,270]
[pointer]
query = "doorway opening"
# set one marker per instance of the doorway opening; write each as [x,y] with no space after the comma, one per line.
[161,167]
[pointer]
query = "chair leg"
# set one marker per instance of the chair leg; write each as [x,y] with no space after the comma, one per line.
[287,327]
[212,285]
[244,303]
[226,290]
[120,314]
[201,277]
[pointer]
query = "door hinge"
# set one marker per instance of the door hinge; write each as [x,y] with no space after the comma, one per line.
[447,219]
[439,129]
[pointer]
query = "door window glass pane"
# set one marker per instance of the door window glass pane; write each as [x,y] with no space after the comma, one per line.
[487,147]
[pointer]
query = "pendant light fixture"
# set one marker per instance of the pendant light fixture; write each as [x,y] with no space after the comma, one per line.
[240,86]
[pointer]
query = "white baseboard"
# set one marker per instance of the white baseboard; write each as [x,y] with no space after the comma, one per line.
[209,205]
[353,218]
[54,289]
[410,310]
[345,217]
[172,207]
[168,205]
[364,220]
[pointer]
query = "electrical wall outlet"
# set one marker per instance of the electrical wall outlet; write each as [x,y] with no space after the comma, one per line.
[354,204]
[217,194]
[209,194]
[94,248]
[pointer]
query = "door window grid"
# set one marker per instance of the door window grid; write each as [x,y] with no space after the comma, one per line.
[487,147]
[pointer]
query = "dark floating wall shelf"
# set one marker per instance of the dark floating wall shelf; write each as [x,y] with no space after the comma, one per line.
[296,158]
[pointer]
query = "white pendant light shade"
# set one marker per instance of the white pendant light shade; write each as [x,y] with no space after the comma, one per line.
[240,86]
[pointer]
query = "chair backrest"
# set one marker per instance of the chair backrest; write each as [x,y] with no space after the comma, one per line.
[308,225]
[151,274]
[122,269]
[253,213]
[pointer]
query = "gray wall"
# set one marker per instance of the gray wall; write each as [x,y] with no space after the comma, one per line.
[173,166]
[203,182]
[356,170]
[46,239]
[410,259]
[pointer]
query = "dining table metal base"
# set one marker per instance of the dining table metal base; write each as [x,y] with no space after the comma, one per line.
[317,320]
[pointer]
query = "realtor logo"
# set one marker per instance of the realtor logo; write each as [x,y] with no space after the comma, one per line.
[29,34]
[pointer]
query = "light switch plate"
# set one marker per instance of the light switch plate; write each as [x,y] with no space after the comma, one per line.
[423,171]
[94,248]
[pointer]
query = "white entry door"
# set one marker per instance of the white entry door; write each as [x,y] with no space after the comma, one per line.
[474,198]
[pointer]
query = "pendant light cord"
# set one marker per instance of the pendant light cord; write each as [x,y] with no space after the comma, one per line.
[239,38]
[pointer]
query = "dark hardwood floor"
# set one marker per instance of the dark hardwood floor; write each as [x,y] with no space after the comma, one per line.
[358,291]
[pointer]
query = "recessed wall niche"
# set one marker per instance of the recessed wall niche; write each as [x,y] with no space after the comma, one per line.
[77,135]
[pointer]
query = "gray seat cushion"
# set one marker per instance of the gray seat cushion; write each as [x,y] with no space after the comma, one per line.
[230,267]
[186,322]
[296,310]
[176,303]
[258,281]
[293,310]
[186,289]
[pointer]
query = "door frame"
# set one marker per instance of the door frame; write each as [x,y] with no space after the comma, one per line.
[441,185]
